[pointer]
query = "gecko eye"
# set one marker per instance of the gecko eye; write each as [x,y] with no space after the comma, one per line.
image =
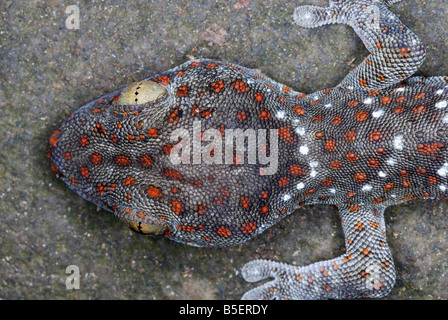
[147,228]
[142,92]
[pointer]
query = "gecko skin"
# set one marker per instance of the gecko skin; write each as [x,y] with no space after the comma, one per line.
[377,139]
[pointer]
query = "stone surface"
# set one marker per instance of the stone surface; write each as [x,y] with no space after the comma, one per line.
[48,71]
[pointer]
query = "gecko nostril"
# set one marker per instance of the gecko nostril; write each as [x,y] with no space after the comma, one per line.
[142,92]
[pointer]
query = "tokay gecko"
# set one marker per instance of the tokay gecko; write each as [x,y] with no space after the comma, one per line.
[211,153]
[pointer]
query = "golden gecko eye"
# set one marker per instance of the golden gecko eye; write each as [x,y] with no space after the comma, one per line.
[142,92]
[146,228]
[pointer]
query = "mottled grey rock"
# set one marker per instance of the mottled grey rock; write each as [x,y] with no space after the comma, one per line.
[47,71]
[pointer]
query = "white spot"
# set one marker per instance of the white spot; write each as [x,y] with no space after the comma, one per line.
[441,104]
[398,142]
[281,114]
[391,161]
[367,188]
[286,197]
[314,164]
[401,89]
[382,174]
[445,119]
[304,150]
[313,173]
[328,105]
[442,188]
[332,190]
[443,171]
[377,113]
[300,186]
[439,92]
[368,101]
[300,131]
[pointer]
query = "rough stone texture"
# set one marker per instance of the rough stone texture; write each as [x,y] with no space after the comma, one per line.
[48,71]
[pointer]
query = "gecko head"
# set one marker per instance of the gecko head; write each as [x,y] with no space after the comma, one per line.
[105,146]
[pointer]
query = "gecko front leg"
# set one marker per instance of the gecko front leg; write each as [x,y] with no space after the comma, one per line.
[395,51]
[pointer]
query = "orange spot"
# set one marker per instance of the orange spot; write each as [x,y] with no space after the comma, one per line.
[330,145]
[373,163]
[430,148]
[84,140]
[202,209]
[153,133]
[95,158]
[122,160]
[154,192]
[362,116]
[242,116]
[285,135]
[224,232]
[217,86]
[432,180]
[264,115]
[264,195]
[335,164]
[375,136]
[350,136]
[296,170]
[309,192]
[419,109]
[85,172]
[386,100]
[352,103]
[336,121]
[55,138]
[245,202]
[163,79]
[211,65]
[352,157]
[283,182]
[299,110]
[146,161]
[249,227]
[264,210]
[173,174]
[129,181]
[177,207]
[420,95]
[398,109]
[182,91]
[240,86]
[360,176]
[259,96]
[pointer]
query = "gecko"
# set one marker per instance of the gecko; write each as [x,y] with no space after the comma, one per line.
[212,154]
